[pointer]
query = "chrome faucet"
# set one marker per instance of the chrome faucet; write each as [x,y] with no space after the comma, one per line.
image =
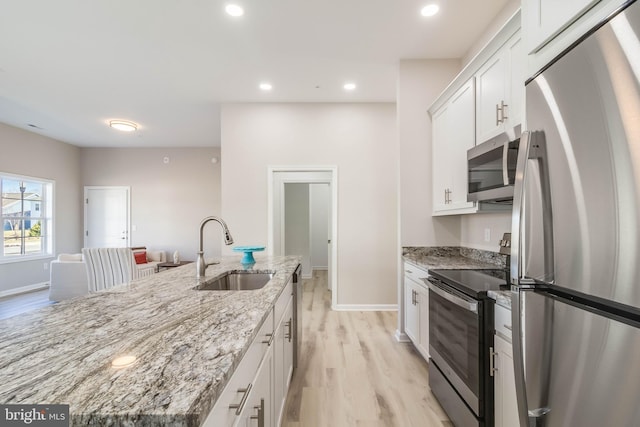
[201,266]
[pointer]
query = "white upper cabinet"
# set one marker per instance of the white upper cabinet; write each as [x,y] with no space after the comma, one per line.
[453,134]
[551,26]
[500,91]
[544,19]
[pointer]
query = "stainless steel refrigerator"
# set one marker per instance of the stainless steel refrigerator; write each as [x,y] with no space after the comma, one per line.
[575,263]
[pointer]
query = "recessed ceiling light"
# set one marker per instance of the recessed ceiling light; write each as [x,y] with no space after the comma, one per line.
[234,10]
[349,86]
[123,125]
[266,86]
[430,10]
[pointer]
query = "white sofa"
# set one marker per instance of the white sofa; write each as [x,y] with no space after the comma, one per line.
[70,273]
[68,277]
[146,262]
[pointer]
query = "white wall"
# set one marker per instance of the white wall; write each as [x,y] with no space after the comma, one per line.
[27,153]
[498,22]
[168,201]
[474,226]
[360,139]
[419,84]
[297,225]
[319,203]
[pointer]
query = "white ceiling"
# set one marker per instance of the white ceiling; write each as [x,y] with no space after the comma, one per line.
[69,66]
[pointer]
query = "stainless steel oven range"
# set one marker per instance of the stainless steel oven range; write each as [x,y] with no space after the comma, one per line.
[460,341]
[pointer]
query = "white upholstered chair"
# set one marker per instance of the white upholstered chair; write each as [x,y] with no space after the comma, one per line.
[67,277]
[108,267]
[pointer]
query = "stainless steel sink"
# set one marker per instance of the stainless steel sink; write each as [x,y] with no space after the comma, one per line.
[236,281]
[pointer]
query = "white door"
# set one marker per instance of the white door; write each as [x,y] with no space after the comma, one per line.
[106,217]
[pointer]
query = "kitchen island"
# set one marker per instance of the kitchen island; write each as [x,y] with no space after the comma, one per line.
[187,344]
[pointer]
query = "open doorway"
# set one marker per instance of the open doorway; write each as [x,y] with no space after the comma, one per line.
[303,218]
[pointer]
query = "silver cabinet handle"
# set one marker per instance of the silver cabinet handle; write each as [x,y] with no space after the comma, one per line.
[503,110]
[269,341]
[497,114]
[239,406]
[492,363]
[260,415]
[287,335]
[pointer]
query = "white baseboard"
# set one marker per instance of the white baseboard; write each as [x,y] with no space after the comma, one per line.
[365,307]
[401,336]
[320,268]
[24,289]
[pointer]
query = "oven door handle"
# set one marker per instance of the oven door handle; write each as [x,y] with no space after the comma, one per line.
[468,305]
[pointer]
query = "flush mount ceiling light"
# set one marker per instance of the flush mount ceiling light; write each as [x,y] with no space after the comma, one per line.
[430,10]
[123,125]
[266,86]
[234,10]
[349,86]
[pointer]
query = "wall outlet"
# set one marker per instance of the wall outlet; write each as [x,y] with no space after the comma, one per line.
[487,234]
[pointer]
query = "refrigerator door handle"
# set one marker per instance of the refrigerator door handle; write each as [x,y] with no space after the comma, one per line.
[518,355]
[518,199]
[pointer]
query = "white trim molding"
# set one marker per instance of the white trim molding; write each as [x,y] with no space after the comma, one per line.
[333,181]
[401,336]
[24,289]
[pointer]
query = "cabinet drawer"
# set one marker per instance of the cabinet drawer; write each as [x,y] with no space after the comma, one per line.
[283,300]
[415,273]
[242,379]
[503,322]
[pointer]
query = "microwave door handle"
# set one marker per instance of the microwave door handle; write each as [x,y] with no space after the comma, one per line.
[505,164]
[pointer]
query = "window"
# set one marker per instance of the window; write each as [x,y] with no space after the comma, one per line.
[27,217]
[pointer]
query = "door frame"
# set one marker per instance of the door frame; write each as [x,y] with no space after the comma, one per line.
[88,188]
[333,235]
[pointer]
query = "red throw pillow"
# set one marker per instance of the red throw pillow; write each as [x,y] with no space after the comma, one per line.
[141,257]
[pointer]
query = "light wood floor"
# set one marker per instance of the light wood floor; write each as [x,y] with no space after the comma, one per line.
[16,304]
[353,372]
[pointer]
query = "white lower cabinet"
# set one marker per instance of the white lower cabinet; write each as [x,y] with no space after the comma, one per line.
[283,361]
[256,392]
[416,308]
[258,412]
[506,406]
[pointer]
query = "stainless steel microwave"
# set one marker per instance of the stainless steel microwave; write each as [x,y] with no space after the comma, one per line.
[491,168]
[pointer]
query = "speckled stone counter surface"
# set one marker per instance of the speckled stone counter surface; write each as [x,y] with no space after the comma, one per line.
[452,257]
[187,343]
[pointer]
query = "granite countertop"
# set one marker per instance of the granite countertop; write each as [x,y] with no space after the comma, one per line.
[502,298]
[452,257]
[187,343]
